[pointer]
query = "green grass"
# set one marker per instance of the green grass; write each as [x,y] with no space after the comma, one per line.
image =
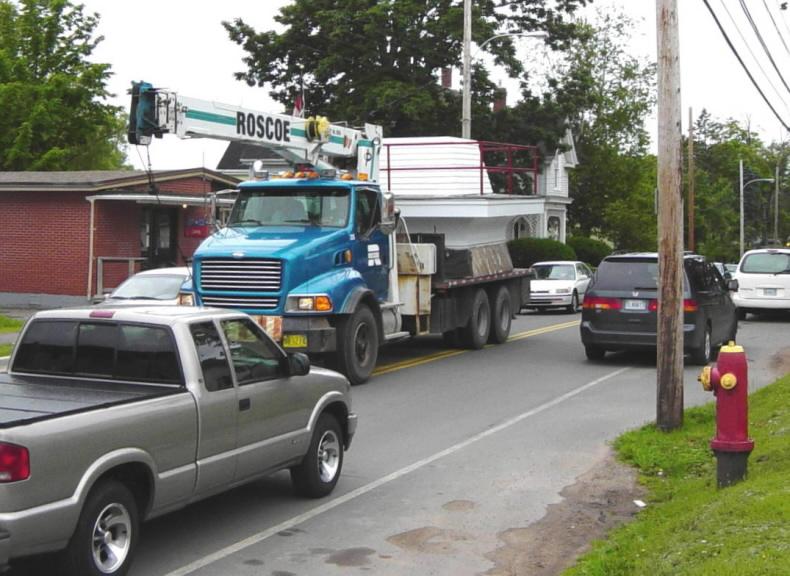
[689,526]
[10,324]
[5,350]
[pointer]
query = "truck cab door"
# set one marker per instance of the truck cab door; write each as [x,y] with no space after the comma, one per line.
[371,254]
[218,411]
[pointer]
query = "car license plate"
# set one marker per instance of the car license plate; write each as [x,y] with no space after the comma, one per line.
[769,291]
[635,305]
[295,341]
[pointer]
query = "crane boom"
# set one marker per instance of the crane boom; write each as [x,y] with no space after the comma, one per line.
[155,112]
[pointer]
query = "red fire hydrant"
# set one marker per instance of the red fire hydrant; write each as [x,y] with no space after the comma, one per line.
[728,380]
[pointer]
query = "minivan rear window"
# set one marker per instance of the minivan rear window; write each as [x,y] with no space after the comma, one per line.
[627,274]
[766,263]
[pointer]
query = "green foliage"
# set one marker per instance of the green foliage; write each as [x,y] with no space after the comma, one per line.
[718,148]
[9,324]
[690,527]
[52,97]
[5,349]
[377,60]
[589,250]
[526,251]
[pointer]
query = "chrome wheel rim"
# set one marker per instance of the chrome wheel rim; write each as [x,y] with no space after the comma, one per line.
[328,456]
[112,538]
[707,345]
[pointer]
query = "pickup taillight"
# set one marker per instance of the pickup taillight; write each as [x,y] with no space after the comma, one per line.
[14,463]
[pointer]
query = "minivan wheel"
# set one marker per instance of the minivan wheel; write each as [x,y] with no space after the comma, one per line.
[741,312]
[702,354]
[594,352]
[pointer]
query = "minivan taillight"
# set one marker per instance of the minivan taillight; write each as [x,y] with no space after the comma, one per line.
[601,303]
[14,463]
[690,305]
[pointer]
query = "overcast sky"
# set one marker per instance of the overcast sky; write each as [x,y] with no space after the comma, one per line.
[181,45]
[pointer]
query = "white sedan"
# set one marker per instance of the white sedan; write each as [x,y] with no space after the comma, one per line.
[560,283]
[165,286]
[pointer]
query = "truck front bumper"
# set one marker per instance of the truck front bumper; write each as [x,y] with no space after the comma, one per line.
[310,335]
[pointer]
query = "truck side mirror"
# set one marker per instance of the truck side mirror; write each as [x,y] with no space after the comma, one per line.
[298,364]
[389,214]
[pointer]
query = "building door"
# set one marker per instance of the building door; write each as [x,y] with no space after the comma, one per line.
[158,236]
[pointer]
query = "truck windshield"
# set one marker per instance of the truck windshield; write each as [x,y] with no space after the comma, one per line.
[324,207]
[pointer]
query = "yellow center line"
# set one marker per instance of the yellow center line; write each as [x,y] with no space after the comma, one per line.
[395,366]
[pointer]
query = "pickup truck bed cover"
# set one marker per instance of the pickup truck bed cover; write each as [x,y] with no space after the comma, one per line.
[26,399]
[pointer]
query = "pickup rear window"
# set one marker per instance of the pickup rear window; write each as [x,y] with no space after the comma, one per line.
[128,352]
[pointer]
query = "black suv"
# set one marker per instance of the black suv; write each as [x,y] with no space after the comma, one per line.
[620,306]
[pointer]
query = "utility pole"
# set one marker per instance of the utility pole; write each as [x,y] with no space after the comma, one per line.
[690,207]
[776,207]
[669,405]
[466,119]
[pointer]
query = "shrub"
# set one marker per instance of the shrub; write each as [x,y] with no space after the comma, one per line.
[589,250]
[526,251]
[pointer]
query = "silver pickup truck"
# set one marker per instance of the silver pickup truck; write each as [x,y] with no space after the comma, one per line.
[109,417]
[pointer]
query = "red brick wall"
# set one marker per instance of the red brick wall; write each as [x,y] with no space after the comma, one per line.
[44,237]
[44,242]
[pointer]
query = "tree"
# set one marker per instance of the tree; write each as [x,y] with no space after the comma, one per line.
[377,60]
[608,93]
[54,113]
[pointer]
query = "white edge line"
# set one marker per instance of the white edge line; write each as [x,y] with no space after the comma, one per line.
[362,490]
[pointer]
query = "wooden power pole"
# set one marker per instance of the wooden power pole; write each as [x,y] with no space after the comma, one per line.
[669,405]
[690,200]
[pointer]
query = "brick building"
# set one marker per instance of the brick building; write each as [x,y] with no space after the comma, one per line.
[67,236]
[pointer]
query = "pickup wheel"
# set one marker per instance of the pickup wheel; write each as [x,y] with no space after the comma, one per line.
[358,345]
[475,333]
[106,534]
[318,473]
[502,316]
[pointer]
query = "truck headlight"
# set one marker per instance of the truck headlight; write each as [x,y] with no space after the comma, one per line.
[186,299]
[312,303]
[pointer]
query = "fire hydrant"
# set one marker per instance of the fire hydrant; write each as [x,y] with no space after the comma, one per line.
[728,380]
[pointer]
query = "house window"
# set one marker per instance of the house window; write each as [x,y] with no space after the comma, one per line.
[520,228]
[553,228]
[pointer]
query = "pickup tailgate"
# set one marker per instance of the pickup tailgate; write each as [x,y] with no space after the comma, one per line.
[25,399]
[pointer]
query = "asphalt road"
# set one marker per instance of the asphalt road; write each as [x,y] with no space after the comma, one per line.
[454,448]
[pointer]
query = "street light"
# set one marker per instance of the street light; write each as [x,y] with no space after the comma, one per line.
[743,187]
[466,119]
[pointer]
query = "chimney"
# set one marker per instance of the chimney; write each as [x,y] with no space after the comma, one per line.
[447,77]
[500,99]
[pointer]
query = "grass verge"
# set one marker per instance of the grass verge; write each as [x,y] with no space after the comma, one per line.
[692,528]
[10,324]
[5,349]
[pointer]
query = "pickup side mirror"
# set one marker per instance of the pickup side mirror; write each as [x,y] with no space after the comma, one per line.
[732,285]
[298,364]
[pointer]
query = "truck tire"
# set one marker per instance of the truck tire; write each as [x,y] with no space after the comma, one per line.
[475,334]
[452,338]
[501,317]
[358,345]
[319,471]
[107,532]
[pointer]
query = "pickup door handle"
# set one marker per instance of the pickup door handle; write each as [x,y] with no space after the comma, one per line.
[244,404]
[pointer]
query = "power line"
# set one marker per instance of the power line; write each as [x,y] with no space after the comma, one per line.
[746,69]
[754,56]
[778,32]
[762,43]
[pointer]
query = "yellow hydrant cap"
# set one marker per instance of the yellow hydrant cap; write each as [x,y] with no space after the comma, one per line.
[704,378]
[728,381]
[731,347]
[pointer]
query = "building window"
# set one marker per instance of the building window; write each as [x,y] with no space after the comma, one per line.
[553,228]
[521,227]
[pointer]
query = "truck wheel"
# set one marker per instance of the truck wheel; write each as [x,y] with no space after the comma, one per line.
[106,534]
[475,333]
[318,473]
[358,345]
[501,318]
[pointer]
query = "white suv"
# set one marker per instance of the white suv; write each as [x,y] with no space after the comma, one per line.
[763,277]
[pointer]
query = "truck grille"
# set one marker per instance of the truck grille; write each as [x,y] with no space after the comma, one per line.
[260,303]
[249,275]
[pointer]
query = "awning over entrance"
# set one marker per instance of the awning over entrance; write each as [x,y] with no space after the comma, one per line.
[166,199]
